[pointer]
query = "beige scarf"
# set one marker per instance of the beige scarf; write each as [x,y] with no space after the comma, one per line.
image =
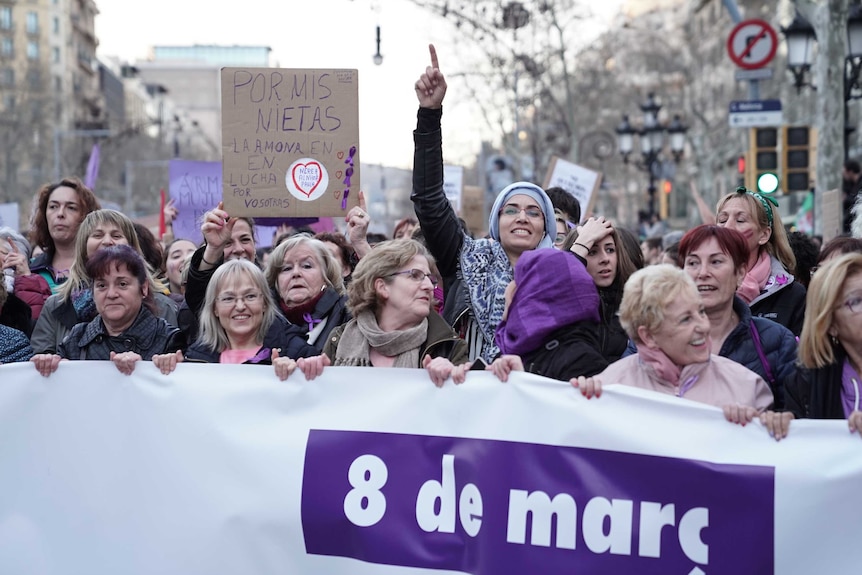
[363,333]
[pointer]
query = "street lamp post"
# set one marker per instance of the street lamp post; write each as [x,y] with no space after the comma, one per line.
[378,57]
[651,136]
[801,38]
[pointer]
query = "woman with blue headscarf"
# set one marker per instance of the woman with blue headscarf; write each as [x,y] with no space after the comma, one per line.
[475,272]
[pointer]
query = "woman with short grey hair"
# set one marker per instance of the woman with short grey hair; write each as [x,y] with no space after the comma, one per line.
[308,287]
[663,313]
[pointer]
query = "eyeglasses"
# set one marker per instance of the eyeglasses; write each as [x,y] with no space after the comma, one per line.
[532,212]
[854,304]
[418,276]
[230,299]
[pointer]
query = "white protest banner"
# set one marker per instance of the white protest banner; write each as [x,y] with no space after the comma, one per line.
[223,469]
[9,215]
[453,185]
[582,183]
[290,141]
[195,188]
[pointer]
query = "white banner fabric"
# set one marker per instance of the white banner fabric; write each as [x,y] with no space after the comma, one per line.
[222,469]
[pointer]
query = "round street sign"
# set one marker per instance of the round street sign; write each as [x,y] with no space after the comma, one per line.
[752,44]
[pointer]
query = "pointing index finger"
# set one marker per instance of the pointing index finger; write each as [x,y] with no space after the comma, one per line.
[434,63]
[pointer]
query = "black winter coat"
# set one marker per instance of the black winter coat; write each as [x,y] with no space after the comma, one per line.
[333,307]
[147,336]
[570,351]
[281,335]
[785,306]
[816,393]
[444,235]
[17,315]
[613,339]
[777,343]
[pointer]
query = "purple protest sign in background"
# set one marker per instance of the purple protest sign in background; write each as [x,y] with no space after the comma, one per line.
[195,188]
[483,506]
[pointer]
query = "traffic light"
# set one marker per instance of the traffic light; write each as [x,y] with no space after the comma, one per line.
[666,187]
[799,158]
[763,174]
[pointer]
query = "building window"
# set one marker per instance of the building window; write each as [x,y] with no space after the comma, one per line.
[55,55]
[7,48]
[32,23]
[34,79]
[55,25]
[33,50]
[5,17]
[7,77]
[9,102]
[58,84]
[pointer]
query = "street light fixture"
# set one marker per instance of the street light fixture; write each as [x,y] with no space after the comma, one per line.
[378,57]
[800,49]
[625,137]
[677,132]
[801,38]
[651,137]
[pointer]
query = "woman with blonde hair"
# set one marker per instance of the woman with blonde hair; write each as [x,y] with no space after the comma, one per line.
[663,313]
[768,286]
[831,345]
[308,287]
[393,323]
[240,324]
[74,303]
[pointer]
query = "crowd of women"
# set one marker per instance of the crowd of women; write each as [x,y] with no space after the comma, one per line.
[727,322]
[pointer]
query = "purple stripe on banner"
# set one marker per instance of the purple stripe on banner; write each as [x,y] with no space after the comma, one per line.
[492,507]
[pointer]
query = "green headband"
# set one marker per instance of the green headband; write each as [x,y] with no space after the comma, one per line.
[764,201]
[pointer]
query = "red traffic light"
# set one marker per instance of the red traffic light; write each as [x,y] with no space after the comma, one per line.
[667,187]
[740,165]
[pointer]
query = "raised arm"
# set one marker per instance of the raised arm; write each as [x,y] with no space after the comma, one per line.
[437,219]
[216,230]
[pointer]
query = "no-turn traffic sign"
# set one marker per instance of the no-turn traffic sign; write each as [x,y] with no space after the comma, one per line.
[752,44]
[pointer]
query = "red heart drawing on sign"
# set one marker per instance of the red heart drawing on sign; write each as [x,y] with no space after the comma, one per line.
[306,177]
[338,175]
[340,155]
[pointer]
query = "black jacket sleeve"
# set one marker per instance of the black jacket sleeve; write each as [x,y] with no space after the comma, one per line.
[196,284]
[443,233]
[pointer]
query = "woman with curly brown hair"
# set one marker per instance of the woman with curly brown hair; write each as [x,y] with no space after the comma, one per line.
[60,209]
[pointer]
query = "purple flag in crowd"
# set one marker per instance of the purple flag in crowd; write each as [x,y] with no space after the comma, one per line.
[92,168]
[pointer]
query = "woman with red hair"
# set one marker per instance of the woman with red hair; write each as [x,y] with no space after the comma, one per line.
[715,258]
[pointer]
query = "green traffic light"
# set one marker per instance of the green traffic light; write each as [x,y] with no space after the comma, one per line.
[767,183]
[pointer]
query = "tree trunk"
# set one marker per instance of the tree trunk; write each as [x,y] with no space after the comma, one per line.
[829,19]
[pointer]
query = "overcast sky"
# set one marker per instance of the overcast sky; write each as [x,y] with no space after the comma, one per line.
[316,34]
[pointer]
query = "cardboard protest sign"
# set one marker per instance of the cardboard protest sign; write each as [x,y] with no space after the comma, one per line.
[582,183]
[195,188]
[290,141]
[453,185]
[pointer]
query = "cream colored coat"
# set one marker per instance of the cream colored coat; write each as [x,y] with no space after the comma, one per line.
[720,382]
